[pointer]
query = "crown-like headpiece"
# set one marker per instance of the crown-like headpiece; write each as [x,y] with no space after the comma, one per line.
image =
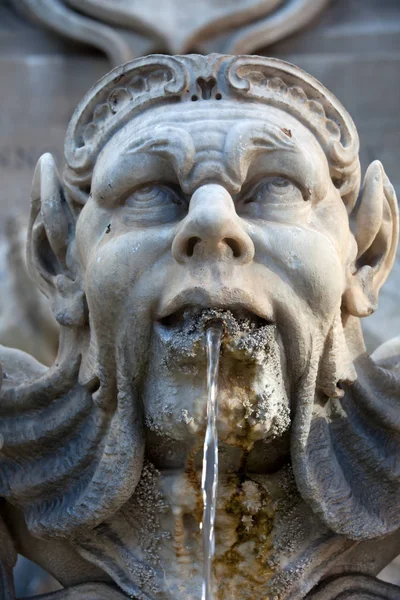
[157,79]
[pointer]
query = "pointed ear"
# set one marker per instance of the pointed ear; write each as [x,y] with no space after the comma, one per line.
[375,226]
[51,253]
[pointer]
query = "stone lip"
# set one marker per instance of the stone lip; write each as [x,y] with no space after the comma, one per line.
[184,330]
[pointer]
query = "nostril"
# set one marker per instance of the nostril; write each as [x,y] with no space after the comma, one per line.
[191,244]
[235,246]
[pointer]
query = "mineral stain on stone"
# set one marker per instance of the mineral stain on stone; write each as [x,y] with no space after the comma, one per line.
[252,512]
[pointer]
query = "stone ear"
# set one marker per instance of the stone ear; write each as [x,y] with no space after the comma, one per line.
[375,226]
[51,253]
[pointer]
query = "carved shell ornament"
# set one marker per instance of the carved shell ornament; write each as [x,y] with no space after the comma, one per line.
[76,444]
[125,29]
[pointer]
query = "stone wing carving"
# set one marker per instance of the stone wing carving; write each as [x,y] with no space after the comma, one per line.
[87,591]
[355,587]
[126,29]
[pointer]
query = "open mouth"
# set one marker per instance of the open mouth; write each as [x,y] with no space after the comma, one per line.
[234,320]
[246,336]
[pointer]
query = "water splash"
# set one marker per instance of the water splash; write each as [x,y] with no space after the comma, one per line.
[209,479]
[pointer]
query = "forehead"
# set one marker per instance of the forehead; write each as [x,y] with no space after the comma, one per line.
[189,115]
[208,137]
[203,117]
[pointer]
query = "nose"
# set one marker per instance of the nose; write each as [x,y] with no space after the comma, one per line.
[212,228]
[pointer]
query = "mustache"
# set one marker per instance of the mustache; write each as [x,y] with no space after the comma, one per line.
[246,336]
[197,299]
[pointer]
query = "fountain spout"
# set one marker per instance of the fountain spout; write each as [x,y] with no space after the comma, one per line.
[209,481]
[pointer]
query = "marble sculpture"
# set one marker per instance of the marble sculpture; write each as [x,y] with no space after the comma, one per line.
[206,183]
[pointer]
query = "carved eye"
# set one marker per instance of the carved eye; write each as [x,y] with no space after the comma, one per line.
[153,196]
[270,198]
[275,191]
[155,204]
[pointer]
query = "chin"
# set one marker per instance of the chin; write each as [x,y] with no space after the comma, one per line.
[253,399]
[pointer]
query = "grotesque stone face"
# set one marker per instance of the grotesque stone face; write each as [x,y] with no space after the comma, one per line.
[225,207]
[195,188]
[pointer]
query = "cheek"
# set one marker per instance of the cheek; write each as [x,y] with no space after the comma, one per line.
[330,217]
[119,271]
[323,272]
[110,272]
[308,263]
[90,229]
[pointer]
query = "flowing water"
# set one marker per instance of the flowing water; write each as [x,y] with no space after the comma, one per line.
[209,480]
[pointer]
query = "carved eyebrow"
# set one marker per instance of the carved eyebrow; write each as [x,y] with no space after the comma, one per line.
[173,144]
[245,142]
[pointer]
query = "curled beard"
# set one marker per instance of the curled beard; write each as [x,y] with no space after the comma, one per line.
[72,453]
[345,439]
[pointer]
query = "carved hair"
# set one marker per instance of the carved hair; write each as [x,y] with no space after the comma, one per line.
[156,80]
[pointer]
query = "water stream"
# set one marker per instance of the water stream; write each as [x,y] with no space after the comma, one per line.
[209,479]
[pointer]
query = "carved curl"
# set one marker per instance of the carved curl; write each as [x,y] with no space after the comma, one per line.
[355,587]
[155,80]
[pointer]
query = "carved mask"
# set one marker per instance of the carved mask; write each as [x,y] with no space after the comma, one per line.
[197,184]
